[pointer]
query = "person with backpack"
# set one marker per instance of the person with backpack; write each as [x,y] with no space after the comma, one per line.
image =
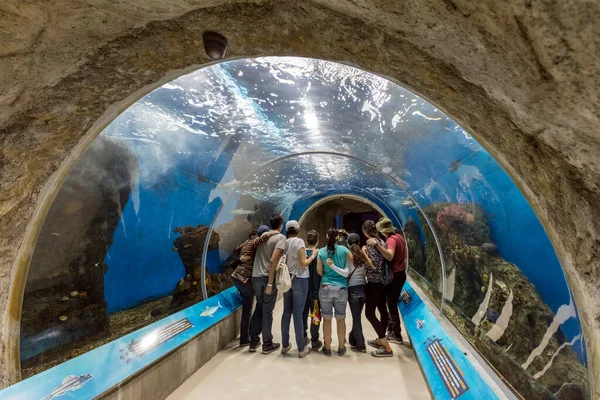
[294,299]
[312,306]
[242,277]
[263,283]
[376,276]
[333,265]
[396,254]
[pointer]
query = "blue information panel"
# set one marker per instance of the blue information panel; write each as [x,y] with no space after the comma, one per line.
[448,371]
[95,372]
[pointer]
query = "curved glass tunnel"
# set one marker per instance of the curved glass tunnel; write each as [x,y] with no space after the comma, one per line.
[223,148]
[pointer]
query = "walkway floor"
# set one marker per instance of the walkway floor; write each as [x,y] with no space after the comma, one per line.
[236,374]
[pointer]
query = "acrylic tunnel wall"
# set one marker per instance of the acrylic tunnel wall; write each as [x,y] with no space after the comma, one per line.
[148,220]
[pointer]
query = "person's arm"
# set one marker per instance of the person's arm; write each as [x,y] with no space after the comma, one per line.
[343,272]
[272,267]
[388,253]
[279,246]
[263,238]
[319,267]
[303,260]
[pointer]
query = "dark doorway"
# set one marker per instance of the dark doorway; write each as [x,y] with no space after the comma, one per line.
[353,221]
[350,213]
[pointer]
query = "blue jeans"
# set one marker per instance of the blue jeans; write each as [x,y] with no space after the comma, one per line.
[356,299]
[293,304]
[247,293]
[262,319]
[331,299]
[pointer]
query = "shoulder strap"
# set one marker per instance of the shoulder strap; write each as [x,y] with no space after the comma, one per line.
[351,273]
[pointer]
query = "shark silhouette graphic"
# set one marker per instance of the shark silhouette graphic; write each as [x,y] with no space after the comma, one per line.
[69,384]
[210,311]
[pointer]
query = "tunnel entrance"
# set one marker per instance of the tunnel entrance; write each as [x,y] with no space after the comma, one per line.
[346,212]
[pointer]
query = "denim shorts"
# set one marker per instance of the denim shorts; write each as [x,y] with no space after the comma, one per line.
[331,299]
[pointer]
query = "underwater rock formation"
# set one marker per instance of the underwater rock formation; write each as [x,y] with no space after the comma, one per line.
[233,233]
[219,282]
[416,250]
[190,246]
[477,268]
[64,305]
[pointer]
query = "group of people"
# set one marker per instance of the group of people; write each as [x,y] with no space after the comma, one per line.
[323,282]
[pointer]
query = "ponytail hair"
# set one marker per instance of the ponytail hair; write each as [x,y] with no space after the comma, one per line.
[331,236]
[358,255]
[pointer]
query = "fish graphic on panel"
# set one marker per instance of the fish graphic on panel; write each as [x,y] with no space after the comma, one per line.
[210,311]
[69,384]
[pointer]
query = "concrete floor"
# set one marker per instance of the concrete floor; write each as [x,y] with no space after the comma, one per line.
[236,374]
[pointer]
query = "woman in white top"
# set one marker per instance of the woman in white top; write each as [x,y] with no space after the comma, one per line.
[295,298]
[356,293]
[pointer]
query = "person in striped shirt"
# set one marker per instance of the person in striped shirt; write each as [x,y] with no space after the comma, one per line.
[242,277]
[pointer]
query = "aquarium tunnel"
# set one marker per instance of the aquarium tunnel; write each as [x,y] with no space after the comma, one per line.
[134,258]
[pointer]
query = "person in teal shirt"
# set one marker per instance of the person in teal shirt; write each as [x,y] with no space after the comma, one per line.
[333,265]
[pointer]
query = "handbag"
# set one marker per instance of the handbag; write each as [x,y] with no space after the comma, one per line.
[237,275]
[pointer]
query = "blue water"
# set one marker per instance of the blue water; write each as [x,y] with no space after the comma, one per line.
[200,136]
[221,123]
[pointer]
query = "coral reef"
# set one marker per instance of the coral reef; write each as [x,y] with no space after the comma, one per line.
[451,216]
[416,249]
[476,266]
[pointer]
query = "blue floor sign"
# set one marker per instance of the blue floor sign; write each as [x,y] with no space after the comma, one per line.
[448,371]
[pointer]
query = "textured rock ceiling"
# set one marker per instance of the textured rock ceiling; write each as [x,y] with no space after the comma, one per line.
[522,76]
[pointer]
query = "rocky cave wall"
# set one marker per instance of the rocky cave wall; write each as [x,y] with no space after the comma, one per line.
[522,77]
